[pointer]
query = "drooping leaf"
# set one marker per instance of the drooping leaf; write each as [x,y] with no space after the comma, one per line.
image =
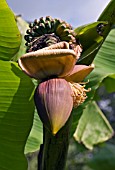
[93,127]
[16,115]
[9,34]
[35,138]
[91,38]
[90,33]
[104,158]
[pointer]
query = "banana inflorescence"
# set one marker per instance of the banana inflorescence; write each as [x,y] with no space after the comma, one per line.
[47,31]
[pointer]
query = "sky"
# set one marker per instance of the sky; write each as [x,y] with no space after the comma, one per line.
[75,12]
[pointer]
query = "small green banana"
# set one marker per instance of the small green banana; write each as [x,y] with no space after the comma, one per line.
[32,33]
[60,29]
[57,22]
[43,28]
[28,38]
[36,22]
[48,26]
[31,25]
[42,20]
[67,38]
[66,32]
[38,30]
[48,18]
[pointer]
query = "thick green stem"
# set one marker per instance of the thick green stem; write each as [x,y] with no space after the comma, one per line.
[55,148]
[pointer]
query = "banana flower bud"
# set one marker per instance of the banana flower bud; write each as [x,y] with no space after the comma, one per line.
[54,102]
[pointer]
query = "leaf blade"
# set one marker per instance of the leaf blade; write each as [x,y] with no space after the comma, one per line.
[16,115]
[35,138]
[9,34]
[93,127]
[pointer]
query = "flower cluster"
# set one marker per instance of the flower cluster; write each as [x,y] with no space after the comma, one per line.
[61,86]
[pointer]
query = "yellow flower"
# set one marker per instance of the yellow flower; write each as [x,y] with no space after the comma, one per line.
[60,89]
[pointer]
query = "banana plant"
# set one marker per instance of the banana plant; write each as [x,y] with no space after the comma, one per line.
[20,126]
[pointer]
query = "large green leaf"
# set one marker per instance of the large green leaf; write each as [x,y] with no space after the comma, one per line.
[9,34]
[16,115]
[93,127]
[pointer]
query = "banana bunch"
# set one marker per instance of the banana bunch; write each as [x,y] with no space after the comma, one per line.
[47,31]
